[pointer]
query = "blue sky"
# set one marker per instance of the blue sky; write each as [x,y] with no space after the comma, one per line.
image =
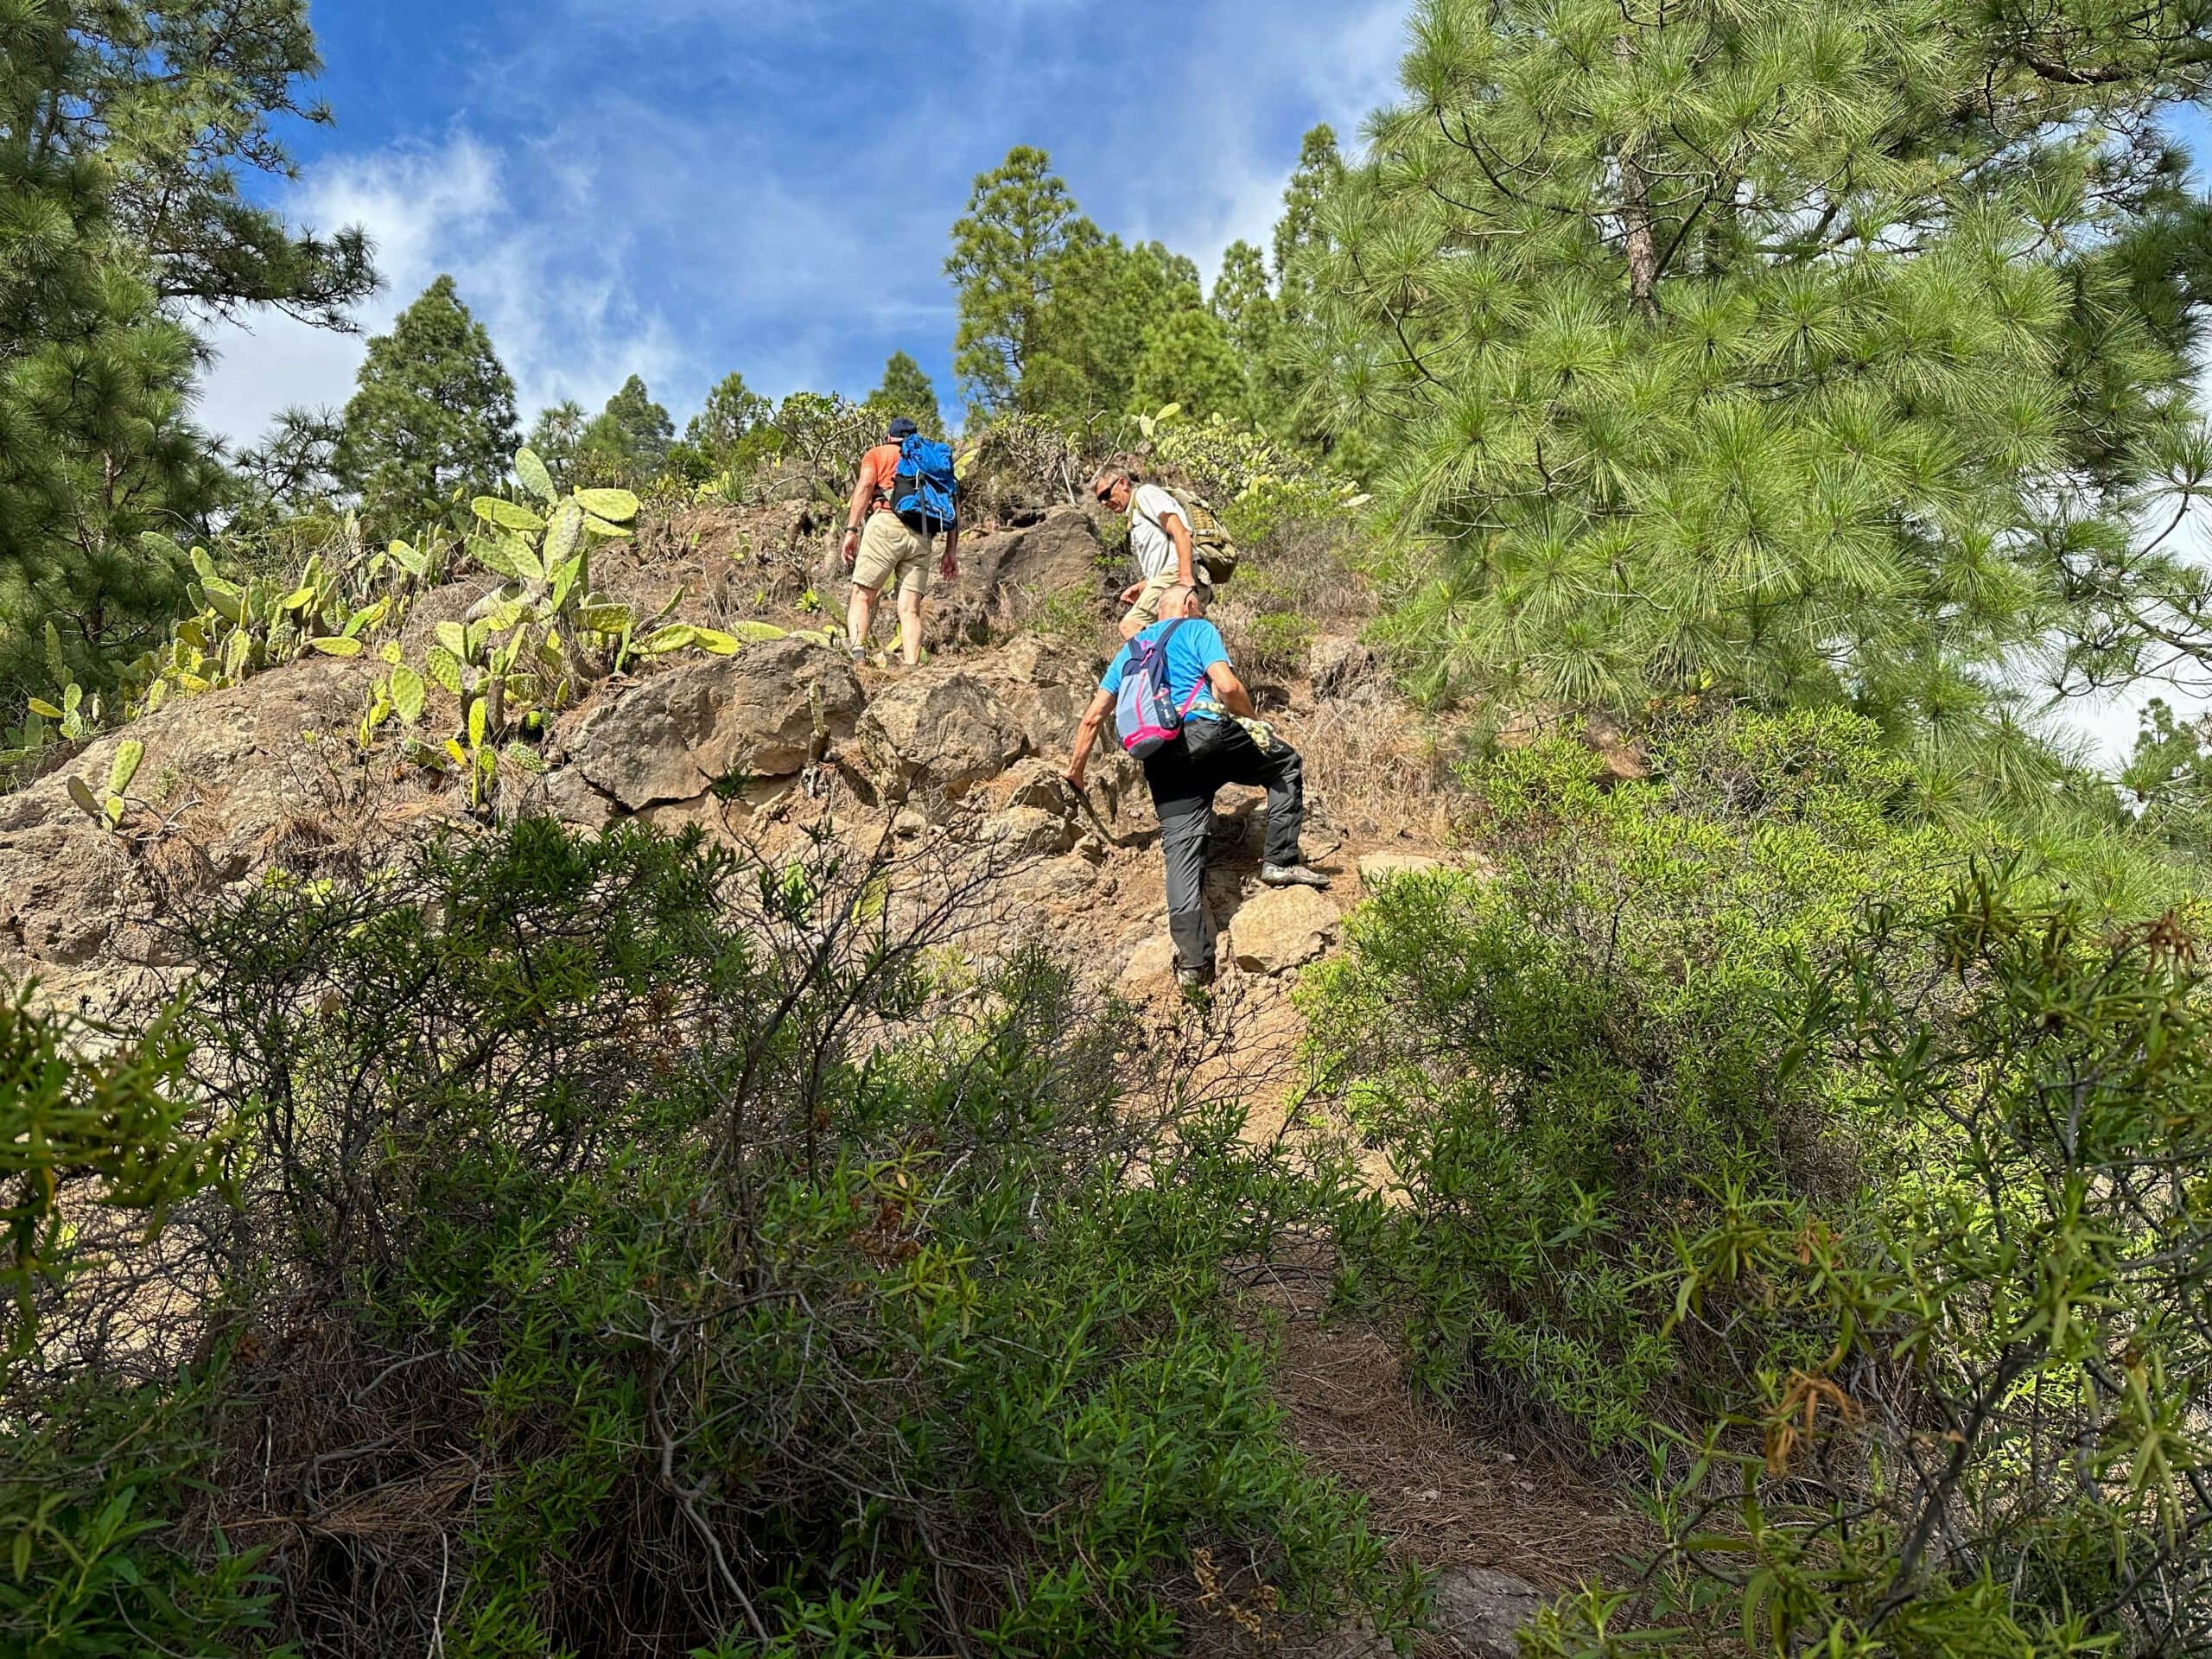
[683,187]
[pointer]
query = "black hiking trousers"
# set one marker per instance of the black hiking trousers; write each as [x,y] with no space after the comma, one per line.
[1185,777]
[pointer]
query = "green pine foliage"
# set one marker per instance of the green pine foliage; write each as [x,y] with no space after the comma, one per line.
[127,133]
[1057,318]
[907,390]
[1791,353]
[432,422]
[730,436]
[628,442]
[1189,359]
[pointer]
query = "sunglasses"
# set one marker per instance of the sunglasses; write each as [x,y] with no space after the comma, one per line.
[1105,493]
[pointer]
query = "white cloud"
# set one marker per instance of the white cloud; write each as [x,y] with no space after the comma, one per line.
[551,292]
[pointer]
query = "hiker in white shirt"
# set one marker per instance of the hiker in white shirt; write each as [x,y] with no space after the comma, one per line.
[1161,540]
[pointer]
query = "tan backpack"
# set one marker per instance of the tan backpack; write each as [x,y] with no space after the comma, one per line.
[1210,544]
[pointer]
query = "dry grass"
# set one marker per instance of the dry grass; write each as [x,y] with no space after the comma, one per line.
[1376,767]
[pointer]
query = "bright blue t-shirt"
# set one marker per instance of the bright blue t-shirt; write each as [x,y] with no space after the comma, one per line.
[1195,647]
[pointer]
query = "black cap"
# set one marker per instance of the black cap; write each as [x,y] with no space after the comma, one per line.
[901,427]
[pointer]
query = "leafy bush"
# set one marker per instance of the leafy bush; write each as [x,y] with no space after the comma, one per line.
[95,1471]
[2000,1448]
[1570,1062]
[1260,489]
[640,1251]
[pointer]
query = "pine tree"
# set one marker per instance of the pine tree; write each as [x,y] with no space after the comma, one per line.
[732,409]
[1189,361]
[556,438]
[727,438]
[1300,234]
[1008,252]
[907,390]
[433,418]
[1245,303]
[126,133]
[1788,353]
[628,442]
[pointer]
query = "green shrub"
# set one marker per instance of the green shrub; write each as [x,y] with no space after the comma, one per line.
[642,1251]
[97,1468]
[1572,1061]
[2000,1448]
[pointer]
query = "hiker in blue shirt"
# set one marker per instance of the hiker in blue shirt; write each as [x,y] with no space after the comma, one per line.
[1214,746]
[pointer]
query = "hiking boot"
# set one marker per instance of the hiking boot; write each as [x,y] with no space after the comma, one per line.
[1195,984]
[1291,875]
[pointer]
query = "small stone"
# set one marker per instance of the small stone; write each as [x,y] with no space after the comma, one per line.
[1281,929]
[1151,967]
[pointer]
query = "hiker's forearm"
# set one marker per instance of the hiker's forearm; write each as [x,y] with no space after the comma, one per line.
[1228,691]
[1086,739]
[1186,558]
[863,499]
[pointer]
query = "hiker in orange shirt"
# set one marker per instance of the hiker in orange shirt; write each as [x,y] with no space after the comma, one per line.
[881,546]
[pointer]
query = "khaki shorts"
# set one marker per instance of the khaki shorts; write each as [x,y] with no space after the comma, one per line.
[888,551]
[1145,611]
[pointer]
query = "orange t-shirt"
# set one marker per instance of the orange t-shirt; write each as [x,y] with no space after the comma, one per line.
[878,468]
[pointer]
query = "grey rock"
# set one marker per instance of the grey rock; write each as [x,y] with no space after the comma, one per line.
[935,736]
[1478,1612]
[229,773]
[1150,969]
[1282,928]
[1009,578]
[1341,666]
[1028,832]
[673,737]
[569,797]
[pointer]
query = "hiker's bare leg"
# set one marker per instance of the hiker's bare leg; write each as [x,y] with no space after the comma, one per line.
[909,626]
[860,616]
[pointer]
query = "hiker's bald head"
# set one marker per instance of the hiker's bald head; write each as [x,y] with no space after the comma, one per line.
[1184,599]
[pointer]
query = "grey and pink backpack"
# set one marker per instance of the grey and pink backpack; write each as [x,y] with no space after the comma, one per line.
[1145,715]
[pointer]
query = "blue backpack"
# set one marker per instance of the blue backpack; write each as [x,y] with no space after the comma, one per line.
[924,491]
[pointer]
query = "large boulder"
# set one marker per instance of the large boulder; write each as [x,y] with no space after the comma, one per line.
[765,712]
[1007,578]
[1044,688]
[936,736]
[1282,928]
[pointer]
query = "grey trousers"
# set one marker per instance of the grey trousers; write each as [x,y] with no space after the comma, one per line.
[1185,777]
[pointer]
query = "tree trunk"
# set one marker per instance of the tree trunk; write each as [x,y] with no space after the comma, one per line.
[1635,221]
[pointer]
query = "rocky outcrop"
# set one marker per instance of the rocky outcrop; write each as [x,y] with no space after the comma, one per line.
[1010,577]
[1280,929]
[230,774]
[765,712]
[933,737]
